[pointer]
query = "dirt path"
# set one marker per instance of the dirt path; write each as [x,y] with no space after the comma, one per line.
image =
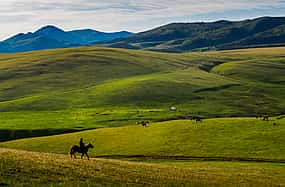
[155,157]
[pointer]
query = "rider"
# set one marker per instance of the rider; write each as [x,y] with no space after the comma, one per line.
[81,144]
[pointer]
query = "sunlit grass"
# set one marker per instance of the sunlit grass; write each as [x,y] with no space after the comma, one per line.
[20,168]
[246,138]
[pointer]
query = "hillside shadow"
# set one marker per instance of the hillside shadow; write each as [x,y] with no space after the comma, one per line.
[217,88]
[8,134]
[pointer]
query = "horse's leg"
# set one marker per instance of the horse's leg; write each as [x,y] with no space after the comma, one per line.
[70,154]
[82,155]
[87,156]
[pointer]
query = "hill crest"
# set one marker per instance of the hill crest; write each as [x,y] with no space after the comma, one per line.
[202,36]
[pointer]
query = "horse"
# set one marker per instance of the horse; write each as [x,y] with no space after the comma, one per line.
[84,151]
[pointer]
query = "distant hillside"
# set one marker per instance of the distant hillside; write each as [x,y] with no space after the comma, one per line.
[66,90]
[50,37]
[181,37]
[226,83]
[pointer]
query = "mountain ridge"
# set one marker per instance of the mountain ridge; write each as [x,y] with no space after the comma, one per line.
[201,36]
[49,37]
[173,37]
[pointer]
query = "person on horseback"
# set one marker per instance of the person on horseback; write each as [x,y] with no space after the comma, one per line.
[80,149]
[81,144]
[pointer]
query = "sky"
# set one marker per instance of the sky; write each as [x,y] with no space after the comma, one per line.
[21,16]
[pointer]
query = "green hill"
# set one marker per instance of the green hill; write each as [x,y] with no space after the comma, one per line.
[101,77]
[90,87]
[224,139]
[55,91]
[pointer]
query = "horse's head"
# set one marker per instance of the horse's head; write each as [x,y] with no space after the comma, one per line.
[90,145]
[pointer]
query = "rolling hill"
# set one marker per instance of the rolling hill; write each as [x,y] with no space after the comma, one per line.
[50,37]
[66,90]
[219,35]
[234,82]
[91,88]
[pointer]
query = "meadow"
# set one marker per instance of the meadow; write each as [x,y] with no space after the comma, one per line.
[110,78]
[92,87]
[21,168]
[220,138]
[101,93]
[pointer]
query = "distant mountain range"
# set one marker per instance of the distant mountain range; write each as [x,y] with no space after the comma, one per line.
[175,37]
[182,37]
[50,37]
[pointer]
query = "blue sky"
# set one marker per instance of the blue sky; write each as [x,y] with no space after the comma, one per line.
[132,15]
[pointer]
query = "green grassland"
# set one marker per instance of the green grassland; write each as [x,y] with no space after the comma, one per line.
[21,168]
[92,87]
[225,138]
[214,152]
[100,77]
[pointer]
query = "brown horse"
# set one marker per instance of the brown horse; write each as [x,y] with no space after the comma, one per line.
[84,151]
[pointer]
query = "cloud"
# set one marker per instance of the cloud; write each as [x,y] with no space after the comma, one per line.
[114,15]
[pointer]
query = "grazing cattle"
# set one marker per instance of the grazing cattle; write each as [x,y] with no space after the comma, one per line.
[258,116]
[265,118]
[198,119]
[83,151]
[143,123]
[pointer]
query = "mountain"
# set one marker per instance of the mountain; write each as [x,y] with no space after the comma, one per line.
[174,37]
[181,37]
[50,37]
[88,36]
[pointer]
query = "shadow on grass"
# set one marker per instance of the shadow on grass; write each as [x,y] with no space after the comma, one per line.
[8,134]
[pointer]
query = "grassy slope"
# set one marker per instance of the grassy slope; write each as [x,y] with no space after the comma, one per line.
[94,87]
[26,74]
[20,168]
[99,87]
[229,137]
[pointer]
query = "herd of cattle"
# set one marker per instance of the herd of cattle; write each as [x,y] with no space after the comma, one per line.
[200,119]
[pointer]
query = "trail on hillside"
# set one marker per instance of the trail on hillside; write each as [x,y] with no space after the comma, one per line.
[194,158]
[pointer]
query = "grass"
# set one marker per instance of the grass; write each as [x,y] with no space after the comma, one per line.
[65,90]
[21,168]
[227,138]
[93,87]
[92,77]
